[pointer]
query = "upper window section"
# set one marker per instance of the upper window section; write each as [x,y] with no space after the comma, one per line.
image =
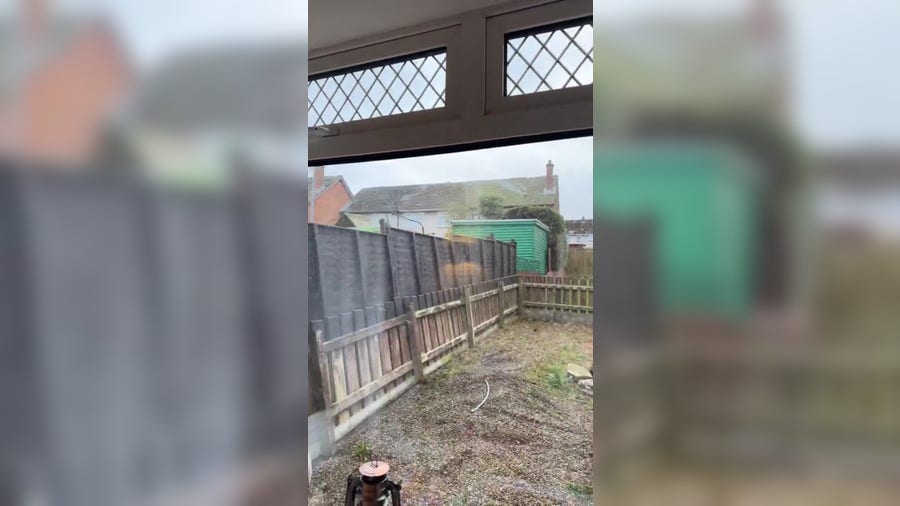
[550,59]
[414,83]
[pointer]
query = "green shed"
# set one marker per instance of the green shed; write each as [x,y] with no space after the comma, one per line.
[701,198]
[530,236]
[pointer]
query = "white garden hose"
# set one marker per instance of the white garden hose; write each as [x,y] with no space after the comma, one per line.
[485,396]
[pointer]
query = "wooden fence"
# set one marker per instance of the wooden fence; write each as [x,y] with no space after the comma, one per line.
[788,403]
[563,299]
[580,262]
[567,294]
[754,404]
[377,353]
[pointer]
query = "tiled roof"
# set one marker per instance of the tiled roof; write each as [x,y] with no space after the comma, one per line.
[582,226]
[60,32]
[255,87]
[518,191]
[325,185]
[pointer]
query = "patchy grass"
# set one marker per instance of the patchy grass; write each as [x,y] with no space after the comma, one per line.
[550,370]
[580,489]
[556,378]
[447,455]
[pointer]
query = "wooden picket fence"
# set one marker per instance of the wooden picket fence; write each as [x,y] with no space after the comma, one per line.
[369,357]
[563,294]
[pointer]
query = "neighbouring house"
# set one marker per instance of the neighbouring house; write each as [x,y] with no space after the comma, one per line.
[429,208]
[580,233]
[858,192]
[62,79]
[733,60]
[206,107]
[328,195]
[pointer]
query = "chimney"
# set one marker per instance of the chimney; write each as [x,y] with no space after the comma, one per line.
[318,178]
[548,186]
[766,22]
[35,19]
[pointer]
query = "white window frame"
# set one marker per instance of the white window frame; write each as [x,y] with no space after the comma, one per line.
[476,112]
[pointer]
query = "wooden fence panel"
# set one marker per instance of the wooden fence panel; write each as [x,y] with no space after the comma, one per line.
[562,294]
[368,359]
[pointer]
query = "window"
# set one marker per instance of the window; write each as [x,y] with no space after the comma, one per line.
[413,83]
[551,59]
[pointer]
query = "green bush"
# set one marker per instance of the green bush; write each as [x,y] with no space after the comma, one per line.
[557,240]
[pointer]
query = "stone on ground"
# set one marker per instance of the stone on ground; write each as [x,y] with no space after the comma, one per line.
[587,386]
[578,372]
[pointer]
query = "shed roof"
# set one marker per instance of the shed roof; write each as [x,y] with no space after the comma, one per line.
[533,221]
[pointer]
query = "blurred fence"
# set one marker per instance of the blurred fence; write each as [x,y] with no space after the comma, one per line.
[580,262]
[792,407]
[148,336]
[350,269]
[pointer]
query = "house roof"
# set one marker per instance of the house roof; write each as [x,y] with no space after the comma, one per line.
[329,181]
[517,191]
[861,167]
[681,60]
[582,226]
[239,87]
[61,30]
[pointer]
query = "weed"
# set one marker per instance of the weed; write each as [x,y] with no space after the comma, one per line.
[556,378]
[362,451]
[579,489]
[462,500]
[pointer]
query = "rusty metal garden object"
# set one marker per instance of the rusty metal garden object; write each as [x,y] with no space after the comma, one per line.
[372,487]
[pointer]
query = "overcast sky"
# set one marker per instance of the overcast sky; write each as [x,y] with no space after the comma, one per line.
[844,77]
[845,80]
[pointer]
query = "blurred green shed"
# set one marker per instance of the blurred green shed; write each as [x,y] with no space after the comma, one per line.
[530,236]
[702,200]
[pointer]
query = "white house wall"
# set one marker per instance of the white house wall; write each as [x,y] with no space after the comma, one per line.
[433,222]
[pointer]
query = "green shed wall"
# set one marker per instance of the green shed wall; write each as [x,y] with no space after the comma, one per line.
[531,240]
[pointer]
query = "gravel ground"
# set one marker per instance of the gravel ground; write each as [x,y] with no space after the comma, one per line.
[529,444]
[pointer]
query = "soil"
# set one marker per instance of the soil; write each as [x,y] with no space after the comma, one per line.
[690,488]
[530,443]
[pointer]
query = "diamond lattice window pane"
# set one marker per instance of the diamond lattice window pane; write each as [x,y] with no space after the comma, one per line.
[550,60]
[415,84]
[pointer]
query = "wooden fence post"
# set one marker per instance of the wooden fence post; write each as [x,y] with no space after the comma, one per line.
[327,397]
[500,303]
[470,320]
[415,350]
[521,293]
